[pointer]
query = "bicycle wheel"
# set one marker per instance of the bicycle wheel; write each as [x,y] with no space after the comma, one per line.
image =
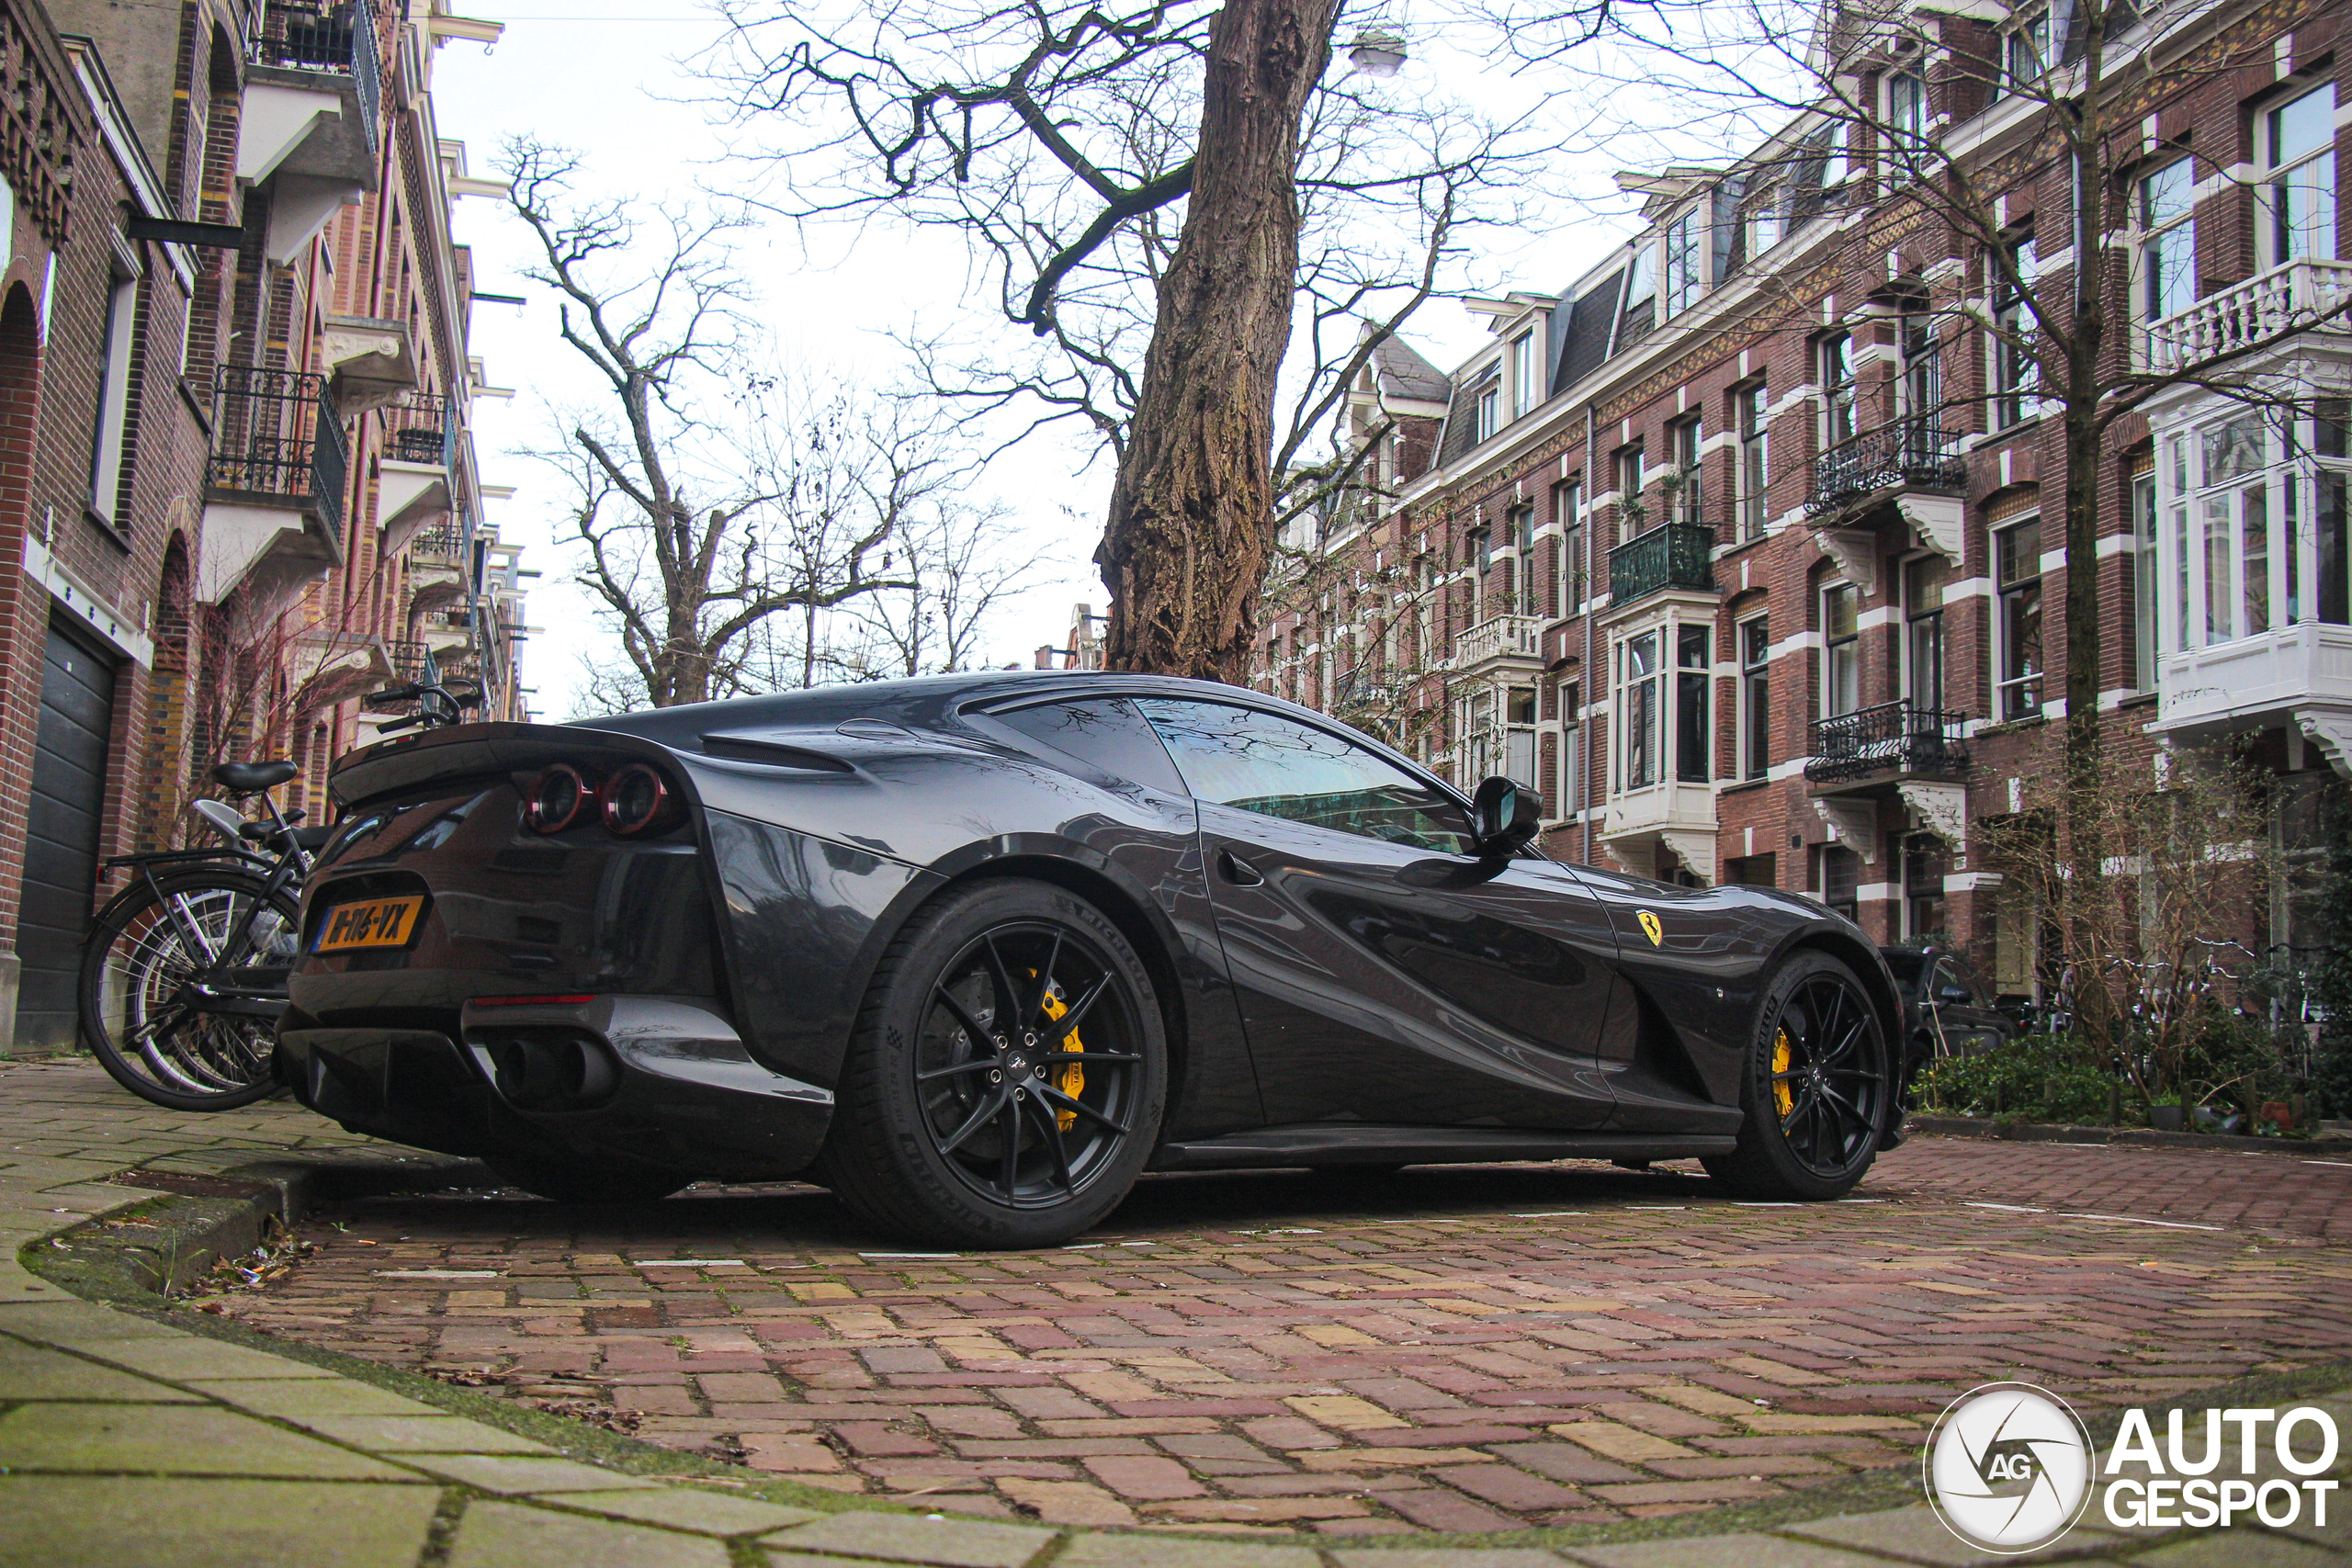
[152,974]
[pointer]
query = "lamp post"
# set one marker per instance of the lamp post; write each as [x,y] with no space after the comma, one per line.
[1377,52]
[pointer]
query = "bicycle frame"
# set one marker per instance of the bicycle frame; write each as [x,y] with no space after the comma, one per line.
[290,865]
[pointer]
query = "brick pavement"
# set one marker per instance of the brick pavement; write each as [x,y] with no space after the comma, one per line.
[1451,1349]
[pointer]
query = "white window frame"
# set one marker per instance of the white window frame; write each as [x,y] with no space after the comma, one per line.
[1840,655]
[1680,248]
[2010,691]
[2312,168]
[1753,479]
[1752,646]
[2164,256]
[1526,384]
[107,445]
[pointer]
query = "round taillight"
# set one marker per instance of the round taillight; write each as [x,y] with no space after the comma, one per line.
[559,799]
[635,801]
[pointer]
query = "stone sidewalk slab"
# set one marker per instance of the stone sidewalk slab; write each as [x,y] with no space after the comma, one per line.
[126,1442]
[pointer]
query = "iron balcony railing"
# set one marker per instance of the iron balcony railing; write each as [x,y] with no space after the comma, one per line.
[276,432]
[1897,736]
[410,660]
[420,428]
[1907,452]
[319,35]
[1672,555]
[443,542]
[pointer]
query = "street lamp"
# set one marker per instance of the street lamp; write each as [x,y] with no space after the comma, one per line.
[1377,52]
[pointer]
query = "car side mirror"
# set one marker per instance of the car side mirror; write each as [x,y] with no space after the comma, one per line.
[1954,995]
[1503,817]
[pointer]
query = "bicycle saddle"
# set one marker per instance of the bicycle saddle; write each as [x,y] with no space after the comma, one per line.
[248,778]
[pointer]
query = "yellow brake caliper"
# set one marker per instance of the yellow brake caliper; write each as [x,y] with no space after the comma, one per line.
[1784,1099]
[1073,1077]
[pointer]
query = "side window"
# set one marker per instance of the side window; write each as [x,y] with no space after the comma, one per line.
[1262,763]
[1107,733]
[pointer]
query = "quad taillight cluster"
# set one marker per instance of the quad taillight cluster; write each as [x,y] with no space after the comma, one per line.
[631,801]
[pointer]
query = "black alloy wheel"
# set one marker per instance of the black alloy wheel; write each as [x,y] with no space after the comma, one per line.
[1815,1087]
[1005,1083]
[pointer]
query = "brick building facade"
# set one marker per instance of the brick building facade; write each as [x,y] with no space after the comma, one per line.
[1748,548]
[237,491]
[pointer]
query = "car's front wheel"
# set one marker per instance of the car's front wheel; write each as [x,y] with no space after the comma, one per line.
[1004,1084]
[1815,1087]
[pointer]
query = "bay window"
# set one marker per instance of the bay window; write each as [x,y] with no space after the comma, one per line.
[1639,699]
[1694,660]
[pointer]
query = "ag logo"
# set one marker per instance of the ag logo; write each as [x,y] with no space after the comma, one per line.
[2008,1467]
[1651,927]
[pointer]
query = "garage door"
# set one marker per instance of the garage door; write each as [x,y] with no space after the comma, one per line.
[62,847]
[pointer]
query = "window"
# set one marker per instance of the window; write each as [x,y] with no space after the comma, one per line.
[1488,416]
[2017,559]
[1522,532]
[1686,489]
[2299,182]
[1482,548]
[1923,642]
[1841,633]
[1518,736]
[2143,576]
[1838,389]
[2025,52]
[1755,459]
[1923,378]
[1638,701]
[114,399]
[1906,114]
[1681,264]
[2237,503]
[1109,734]
[1766,206]
[1278,767]
[1526,377]
[1925,862]
[1571,748]
[2014,373]
[1630,506]
[1841,880]
[2167,241]
[1640,313]
[1567,510]
[1693,655]
[2331,525]
[1755,698]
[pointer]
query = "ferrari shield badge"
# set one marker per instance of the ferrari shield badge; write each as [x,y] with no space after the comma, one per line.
[1651,928]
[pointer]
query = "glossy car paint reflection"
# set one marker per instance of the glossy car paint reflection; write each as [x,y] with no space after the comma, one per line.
[1322,984]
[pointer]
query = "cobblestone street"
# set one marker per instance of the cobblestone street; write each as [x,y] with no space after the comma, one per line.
[1451,1349]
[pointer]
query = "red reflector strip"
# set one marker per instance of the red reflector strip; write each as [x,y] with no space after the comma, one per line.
[530,1001]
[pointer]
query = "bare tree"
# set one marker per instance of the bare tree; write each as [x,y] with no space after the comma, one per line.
[707,495]
[961,567]
[1062,137]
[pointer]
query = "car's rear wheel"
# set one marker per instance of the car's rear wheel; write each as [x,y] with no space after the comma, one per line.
[563,1181]
[1815,1087]
[1004,1084]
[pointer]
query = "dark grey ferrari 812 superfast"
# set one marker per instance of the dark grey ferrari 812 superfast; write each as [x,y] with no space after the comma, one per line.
[976,951]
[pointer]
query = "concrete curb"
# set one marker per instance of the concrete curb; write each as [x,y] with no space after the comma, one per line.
[2136,1137]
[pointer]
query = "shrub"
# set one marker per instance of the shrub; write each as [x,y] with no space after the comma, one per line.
[2040,1078]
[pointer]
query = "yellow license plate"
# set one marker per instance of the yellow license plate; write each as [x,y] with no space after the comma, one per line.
[379,922]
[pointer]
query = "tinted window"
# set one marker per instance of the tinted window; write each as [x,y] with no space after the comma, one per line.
[1108,734]
[1904,963]
[1259,761]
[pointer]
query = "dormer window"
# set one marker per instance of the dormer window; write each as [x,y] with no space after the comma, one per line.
[1486,417]
[1526,378]
[1682,263]
[2025,52]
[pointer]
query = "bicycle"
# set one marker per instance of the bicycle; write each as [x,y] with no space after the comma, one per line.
[184,974]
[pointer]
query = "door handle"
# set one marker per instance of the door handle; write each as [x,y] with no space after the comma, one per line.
[1238,871]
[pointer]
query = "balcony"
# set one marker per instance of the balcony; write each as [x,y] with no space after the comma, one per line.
[441,544]
[1673,555]
[309,114]
[1908,454]
[1896,739]
[1651,829]
[413,476]
[1499,641]
[274,483]
[2283,299]
[2299,675]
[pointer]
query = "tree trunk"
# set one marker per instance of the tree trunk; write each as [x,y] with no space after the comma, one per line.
[1185,546]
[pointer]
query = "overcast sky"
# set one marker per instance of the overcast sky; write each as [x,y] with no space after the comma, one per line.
[612,79]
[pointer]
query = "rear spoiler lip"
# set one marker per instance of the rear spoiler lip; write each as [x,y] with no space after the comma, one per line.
[403,761]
